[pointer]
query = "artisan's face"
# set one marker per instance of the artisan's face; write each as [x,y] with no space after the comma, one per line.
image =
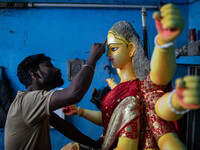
[118,51]
[50,75]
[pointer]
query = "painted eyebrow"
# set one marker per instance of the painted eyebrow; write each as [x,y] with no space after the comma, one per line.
[115,44]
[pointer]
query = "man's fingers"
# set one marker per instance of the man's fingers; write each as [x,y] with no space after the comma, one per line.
[104,45]
[105,42]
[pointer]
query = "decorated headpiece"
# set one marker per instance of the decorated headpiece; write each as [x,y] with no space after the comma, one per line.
[123,30]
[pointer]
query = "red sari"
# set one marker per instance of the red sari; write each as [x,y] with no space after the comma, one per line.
[126,103]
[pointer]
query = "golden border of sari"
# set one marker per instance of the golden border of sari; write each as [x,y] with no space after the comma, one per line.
[127,110]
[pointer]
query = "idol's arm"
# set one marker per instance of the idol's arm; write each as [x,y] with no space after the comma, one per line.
[169,23]
[166,142]
[92,116]
[163,65]
[127,143]
[186,96]
[170,141]
[163,110]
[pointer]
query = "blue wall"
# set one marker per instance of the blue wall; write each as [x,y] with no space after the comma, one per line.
[150,2]
[63,34]
[193,17]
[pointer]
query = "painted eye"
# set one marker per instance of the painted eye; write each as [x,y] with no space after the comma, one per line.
[114,48]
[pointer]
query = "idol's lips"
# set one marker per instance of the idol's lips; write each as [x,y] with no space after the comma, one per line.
[111,59]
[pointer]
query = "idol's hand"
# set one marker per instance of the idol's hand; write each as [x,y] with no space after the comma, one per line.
[110,81]
[169,23]
[97,49]
[187,91]
[70,110]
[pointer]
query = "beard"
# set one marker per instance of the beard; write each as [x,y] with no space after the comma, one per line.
[52,80]
[58,82]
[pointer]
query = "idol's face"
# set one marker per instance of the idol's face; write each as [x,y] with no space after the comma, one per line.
[118,51]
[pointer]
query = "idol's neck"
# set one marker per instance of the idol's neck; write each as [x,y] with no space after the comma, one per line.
[127,72]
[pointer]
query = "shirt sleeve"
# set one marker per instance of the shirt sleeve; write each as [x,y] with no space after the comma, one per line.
[35,107]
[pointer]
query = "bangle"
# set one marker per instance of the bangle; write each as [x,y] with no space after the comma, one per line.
[78,111]
[86,65]
[113,84]
[171,107]
[162,46]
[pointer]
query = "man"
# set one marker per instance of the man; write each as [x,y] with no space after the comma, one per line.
[31,114]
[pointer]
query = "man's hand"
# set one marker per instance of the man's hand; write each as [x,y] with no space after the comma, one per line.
[97,49]
[169,23]
[187,91]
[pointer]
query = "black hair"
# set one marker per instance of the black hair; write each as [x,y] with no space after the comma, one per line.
[30,62]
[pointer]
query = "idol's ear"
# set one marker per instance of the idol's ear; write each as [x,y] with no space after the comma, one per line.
[131,48]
